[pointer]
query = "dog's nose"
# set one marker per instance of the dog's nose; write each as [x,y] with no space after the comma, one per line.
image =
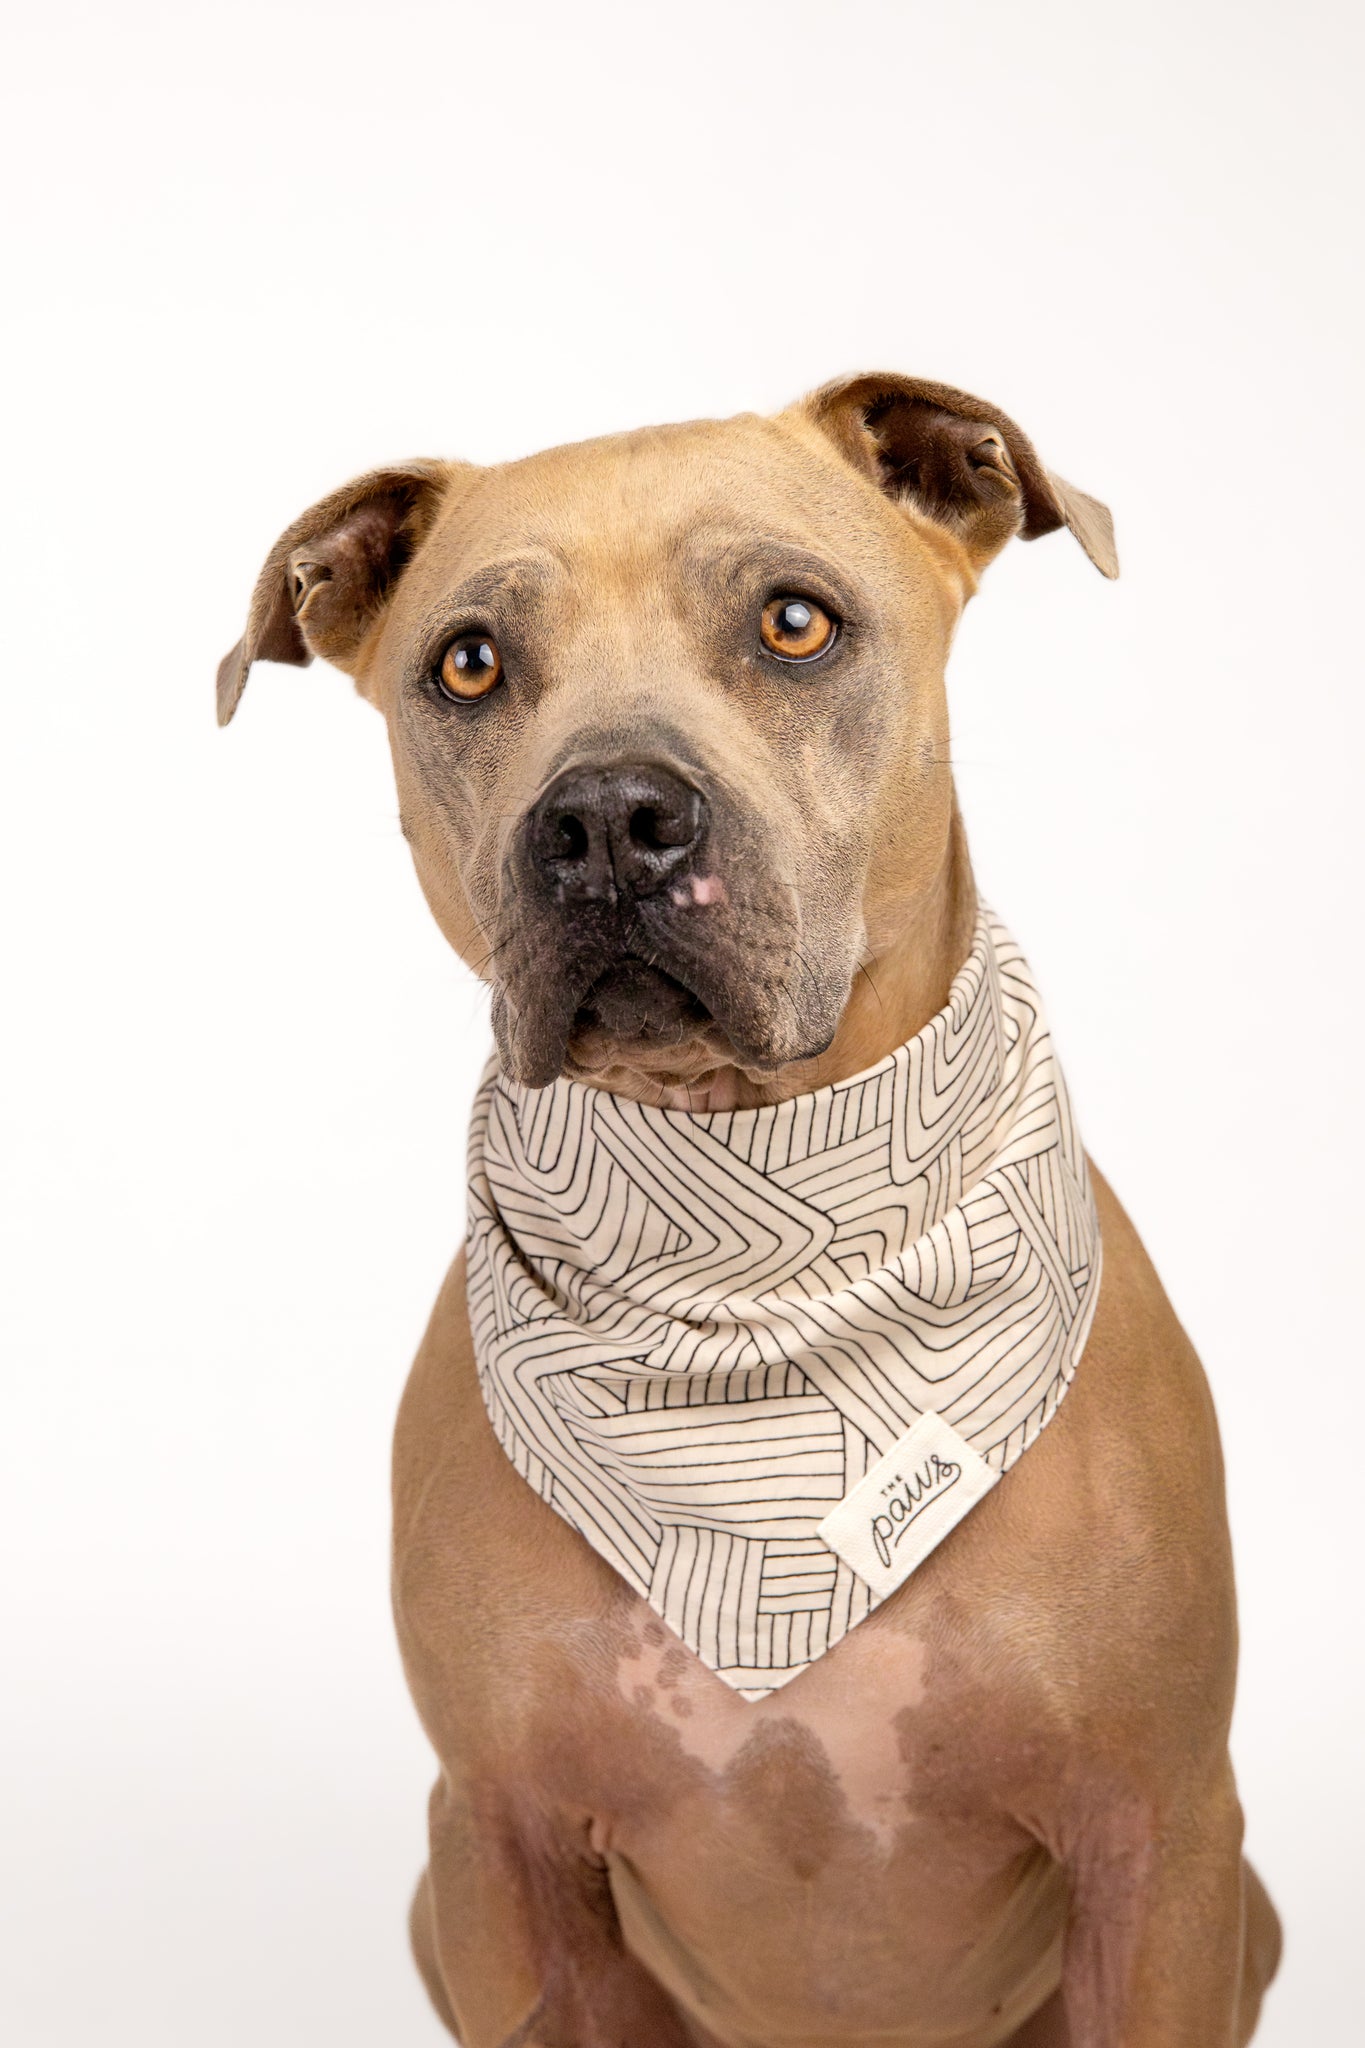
[599,832]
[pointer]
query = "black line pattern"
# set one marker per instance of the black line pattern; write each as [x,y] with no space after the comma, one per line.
[695,1333]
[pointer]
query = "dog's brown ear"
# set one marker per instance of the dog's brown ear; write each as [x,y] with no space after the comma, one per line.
[962,462]
[328,576]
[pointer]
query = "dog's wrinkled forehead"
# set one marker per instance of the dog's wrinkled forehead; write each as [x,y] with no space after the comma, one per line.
[863,463]
[645,531]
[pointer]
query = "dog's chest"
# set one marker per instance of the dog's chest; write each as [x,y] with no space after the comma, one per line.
[823,1850]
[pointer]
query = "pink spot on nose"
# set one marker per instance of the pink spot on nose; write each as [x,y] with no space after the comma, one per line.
[708,889]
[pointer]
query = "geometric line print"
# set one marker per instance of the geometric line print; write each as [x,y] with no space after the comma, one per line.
[696,1333]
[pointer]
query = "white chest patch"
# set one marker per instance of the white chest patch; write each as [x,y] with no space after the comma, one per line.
[765,1360]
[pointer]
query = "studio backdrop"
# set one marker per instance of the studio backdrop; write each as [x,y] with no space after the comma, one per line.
[254,250]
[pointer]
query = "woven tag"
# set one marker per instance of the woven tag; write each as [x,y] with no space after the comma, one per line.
[906,1504]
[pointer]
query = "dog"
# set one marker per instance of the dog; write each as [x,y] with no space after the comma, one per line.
[669,731]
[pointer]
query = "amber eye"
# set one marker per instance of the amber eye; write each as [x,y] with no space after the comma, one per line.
[470,667]
[797,628]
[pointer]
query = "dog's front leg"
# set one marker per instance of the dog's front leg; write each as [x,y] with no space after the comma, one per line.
[1172,1939]
[517,1940]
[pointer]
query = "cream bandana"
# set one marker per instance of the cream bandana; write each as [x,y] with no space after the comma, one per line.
[763,1360]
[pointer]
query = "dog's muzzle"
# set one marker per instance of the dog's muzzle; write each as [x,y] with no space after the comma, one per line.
[604,868]
[642,910]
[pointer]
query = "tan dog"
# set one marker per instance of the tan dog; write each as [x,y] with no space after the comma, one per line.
[705,848]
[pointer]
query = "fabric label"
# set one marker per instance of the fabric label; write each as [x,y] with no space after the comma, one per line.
[906,1504]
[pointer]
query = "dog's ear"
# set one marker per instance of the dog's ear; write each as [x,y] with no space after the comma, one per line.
[329,575]
[963,463]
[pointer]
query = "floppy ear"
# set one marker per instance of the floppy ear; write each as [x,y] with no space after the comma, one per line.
[963,463]
[328,576]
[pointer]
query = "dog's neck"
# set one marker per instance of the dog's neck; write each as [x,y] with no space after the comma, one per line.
[897,989]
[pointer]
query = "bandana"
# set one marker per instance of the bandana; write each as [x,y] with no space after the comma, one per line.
[764,1360]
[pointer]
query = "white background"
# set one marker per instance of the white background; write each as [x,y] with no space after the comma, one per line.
[260,247]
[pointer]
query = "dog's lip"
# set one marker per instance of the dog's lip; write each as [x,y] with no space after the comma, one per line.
[649,973]
[639,961]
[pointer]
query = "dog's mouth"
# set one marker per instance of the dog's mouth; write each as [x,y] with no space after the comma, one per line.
[667,992]
[637,1003]
[638,1026]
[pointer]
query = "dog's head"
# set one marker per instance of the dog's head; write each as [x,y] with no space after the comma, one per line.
[667,710]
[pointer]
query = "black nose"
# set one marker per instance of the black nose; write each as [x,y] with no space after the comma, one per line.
[599,832]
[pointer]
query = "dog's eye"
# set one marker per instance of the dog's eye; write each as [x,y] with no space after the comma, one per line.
[796,628]
[470,667]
